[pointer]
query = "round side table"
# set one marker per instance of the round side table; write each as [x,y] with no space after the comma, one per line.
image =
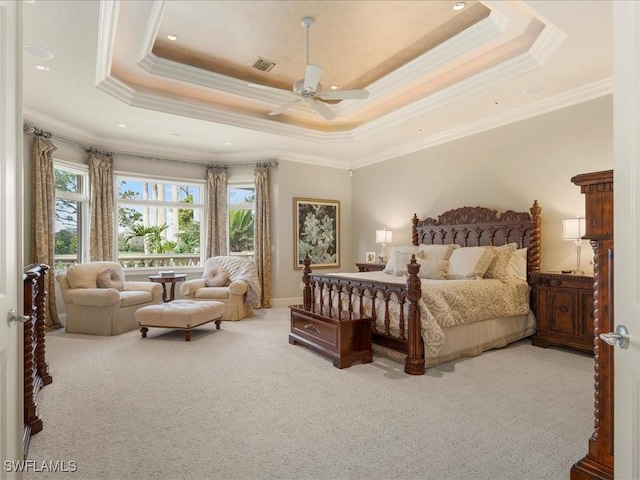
[178,277]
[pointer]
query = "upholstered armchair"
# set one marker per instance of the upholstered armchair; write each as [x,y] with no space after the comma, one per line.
[99,301]
[230,280]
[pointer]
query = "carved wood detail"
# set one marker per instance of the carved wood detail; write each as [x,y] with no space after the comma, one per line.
[598,189]
[36,369]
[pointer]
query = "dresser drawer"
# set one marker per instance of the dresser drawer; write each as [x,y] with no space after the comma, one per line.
[318,331]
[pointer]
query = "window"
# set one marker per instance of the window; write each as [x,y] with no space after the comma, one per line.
[159,222]
[71,214]
[241,206]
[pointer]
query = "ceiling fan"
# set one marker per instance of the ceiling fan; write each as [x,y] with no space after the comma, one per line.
[309,89]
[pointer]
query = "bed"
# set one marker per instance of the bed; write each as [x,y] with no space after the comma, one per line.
[431,320]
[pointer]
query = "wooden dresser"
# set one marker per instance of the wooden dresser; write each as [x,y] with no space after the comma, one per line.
[598,190]
[370,267]
[563,305]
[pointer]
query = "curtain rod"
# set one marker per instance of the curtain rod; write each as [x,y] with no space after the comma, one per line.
[33,130]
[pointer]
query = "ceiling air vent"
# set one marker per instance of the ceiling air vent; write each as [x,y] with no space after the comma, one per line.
[263,64]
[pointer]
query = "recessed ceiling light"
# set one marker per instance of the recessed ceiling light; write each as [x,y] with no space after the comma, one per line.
[173,37]
[38,52]
[333,87]
[227,143]
[496,102]
[534,90]
[42,68]
[122,125]
[459,6]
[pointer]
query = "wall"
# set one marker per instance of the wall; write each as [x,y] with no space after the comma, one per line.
[307,181]
[504,168]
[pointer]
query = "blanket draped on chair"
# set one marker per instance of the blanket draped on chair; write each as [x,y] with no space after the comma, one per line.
[240,268]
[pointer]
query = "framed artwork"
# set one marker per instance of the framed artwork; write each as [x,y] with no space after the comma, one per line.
[370,257]
[316,232]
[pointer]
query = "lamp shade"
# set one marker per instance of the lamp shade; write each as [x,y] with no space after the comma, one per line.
[383,236]
[573,228]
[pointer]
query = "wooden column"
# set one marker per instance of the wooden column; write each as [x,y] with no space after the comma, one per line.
[598,190]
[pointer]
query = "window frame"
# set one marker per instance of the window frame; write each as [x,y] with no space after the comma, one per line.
[240,206]
[137,177]
[84,201]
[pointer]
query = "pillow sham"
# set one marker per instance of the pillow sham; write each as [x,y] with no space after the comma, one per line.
[498,267]
[109,278]
[436,252]
[517,267]
[390,267]
[216,276]
[433,269]
[469,262]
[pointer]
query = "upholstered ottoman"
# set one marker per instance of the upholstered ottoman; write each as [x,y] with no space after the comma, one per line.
[181,314]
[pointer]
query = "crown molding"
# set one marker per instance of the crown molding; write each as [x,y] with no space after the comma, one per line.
[557,102]
[107,29]
[496,24]
[518,65]
[580,95]
[65,131]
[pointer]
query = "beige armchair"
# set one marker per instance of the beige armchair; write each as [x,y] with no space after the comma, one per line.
[100,302]
[238,293]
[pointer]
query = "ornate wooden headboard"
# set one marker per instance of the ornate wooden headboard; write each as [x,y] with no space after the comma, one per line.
[479,226]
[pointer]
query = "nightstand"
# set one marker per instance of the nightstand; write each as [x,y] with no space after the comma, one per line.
[370,267]
[563,304]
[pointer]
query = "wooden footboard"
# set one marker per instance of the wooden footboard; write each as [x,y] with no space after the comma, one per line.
[348,294]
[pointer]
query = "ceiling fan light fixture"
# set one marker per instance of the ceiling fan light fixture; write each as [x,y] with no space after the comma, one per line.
[309,89]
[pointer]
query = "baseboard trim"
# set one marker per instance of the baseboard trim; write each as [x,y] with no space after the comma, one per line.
[285,302]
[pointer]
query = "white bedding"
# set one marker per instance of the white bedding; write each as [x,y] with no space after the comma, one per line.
[447,303]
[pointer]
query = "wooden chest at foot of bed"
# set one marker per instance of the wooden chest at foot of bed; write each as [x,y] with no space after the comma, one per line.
[340,335]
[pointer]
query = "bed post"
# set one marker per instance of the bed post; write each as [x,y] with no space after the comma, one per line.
[535,247]
[414,363]
[414,229]
[306,292]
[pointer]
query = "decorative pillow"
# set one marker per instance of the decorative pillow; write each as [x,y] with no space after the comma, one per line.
[517,267]
[433,269]
[109,278]
[469,262]
[390,267]
[216,276]
[436,252]
[498,268]
[399,267]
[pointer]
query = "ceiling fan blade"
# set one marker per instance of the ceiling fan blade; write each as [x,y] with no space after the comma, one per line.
[344,94]
[262,87]
[312,77]
[284,107]
[323,110]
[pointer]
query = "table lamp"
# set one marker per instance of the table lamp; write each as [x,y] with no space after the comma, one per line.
[573,229]
[383,236]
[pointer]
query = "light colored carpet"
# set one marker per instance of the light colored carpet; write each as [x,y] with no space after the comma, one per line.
[242,403]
